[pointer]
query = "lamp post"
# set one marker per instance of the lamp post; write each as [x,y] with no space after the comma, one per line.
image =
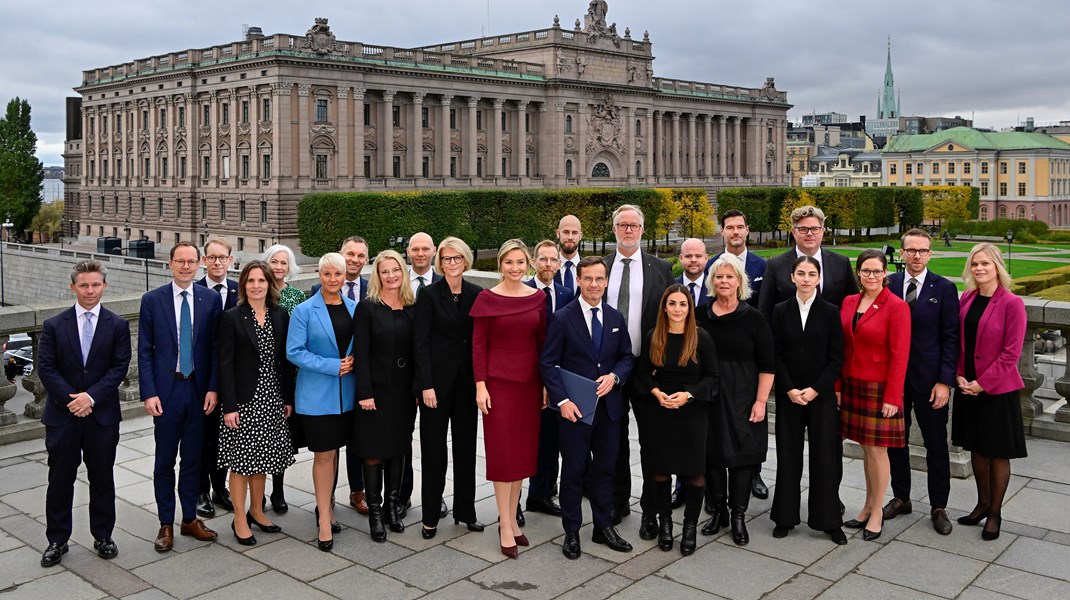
[7,225]
[126,230]
[145,244]
[1010,238]
[272,236]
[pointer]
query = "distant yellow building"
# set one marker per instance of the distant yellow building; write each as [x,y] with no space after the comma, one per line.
[1020,175]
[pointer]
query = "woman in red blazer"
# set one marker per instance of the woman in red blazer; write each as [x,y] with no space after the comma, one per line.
[987,418]
[876,335]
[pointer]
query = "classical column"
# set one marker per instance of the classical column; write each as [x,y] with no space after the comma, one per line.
[658,168]
[303,151]
[692,157]
[754,147]
[254,140]
[358,132]
[520,140]
[629,137]
[676,145]
[648,170]
[559,157]
[386,135]
[442,144]
[722,145]
[416,137]
[580,168]
[280,136]
[737,147]
[343,169]
[707,142]
[544,142]
[471,145]
[494,140]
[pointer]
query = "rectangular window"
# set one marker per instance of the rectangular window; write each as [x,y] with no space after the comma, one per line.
[1021,168]
[1021,189]
[207,114]
[505,167]
[204,209]
[395,116]
[163,117]
[244,111]
[104,168]
[321,166]
[453,166]
[910,168]
[1003,188]
[178,209]
[142,203]
[178,238]
[159,237]
[181,116]
[891,168]
[426,167]
[265,171]
[1002,167]
[145,119]
[222,211]
[92,125]
[206,168]
[424,117]
[527,122]
[265,110]
[479,166]
[145,167]
[397,166]
[163,167]
[182,167]
[104,124]
[263,211]
[921,168]
[368,166]
[225,160]
[261,245]
[367,115]
[984,168]
[453,118]
[479,120]
[245,166]
[950,168]
[241,244]
[93,168]
[225,118]
[119,169]
[505,121]
[321,110]
[984,188]
[159,208]
[936,168]
[118,123]
[241,211]
[966,168]
[527,167]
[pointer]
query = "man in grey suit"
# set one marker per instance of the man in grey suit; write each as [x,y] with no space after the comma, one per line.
[636,283]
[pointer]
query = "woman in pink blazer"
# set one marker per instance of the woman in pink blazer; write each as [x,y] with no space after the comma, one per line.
[987,418]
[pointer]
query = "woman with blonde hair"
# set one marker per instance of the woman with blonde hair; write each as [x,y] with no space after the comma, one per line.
[987,418]
[382,432]
[509,327]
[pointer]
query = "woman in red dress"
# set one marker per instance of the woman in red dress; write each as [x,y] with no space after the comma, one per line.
[509,324]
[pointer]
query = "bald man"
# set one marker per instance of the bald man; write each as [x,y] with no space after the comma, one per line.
[693,257]
[569,235]
[421,252]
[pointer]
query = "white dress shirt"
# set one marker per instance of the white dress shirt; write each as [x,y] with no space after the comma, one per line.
[804,307]
[635,296]
[539,285]
[356,289]
[177,296]
[817,257]
[906,282]
[79,314]
[223,291]
[415,281]
[699,283]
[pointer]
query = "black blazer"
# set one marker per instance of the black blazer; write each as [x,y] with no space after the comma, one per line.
[232,291]
[239,360]
[442,341]
[374,364]
[839,280]
[657,275]
[812,358]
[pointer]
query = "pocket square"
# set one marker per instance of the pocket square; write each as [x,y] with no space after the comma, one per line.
[759,278]
[932,300]
[615,330]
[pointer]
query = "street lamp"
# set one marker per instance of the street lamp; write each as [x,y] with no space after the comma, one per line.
[126,230]
[1010,238]
[7,225]
[272,236]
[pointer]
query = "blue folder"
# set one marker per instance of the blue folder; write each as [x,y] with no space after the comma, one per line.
[583,392]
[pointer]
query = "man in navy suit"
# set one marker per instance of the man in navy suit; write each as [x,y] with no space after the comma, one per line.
[934,353]
[569,234]
[693,259]
[217,258]
[83,356]
[177,375]
[734,232]
[589,338]
[543,482]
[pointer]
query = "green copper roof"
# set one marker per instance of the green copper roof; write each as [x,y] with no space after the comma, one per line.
[977,140]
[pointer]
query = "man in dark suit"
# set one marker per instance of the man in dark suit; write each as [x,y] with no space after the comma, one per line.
[569,234]
[635,291]
[542,483]
[177,374]
[735,232]
[934,353]
[693,260]
[217,258]
[83,356]
[589,338]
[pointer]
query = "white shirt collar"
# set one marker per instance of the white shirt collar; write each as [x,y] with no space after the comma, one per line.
[177,291]
[800,254]
[698,281]
[414,276]
[806,304]
[618,257]
[212,282]
[920,277]
[539,285]
[79,311]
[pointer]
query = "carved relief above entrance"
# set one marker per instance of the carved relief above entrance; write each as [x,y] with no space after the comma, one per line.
[605,128]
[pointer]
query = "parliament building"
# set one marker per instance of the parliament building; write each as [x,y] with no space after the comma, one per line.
[225,141]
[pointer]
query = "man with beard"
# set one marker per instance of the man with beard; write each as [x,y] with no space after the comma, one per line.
[569,235]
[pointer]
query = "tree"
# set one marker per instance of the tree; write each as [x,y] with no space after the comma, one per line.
[21,173]
[48,221]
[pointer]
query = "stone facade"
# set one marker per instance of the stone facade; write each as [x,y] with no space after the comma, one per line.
[226,140]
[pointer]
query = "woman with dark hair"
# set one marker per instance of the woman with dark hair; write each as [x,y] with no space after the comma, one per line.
[809,356]
[256,391]
[677,374]
[738,435]
[876,333]
[987,419]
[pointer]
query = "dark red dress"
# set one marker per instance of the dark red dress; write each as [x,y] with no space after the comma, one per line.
[507,339]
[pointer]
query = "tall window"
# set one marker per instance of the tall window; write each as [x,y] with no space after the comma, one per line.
[984,168]
[207,116]
[568,124]
[222,210]
[244,111]
[145,119]
[984,188]
[245,166]
[263,211]
[479,120]
[206,167]
[241,211]
[638,127]
[181,167]
[1003,188]
[204,209]
[181,116]
[163,166]
[265,109]
[638,167]
[163,117]
[397,166]
[265,171]
[321,166]
[1021,168]
[159,208]
[936,168]
[426,167]
[425,117]
[367,114]
[453,118]
[395,116]
[1002,167]
[321,110]
[966,168]
[568,169]
[178,209]
[1021,189]
[225,117]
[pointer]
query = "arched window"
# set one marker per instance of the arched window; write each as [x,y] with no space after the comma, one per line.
[568,169]
[600,170]
[638,127]
[1021,212]
[638,169]
[983,213]
[568,124]
[1003,212]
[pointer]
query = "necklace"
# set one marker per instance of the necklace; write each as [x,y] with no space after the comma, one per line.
[456,297]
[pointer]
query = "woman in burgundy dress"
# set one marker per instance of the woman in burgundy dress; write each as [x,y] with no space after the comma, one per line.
[509,324]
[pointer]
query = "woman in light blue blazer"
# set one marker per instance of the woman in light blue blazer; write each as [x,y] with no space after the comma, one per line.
[320,344]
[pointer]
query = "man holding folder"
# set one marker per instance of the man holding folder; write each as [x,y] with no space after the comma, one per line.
[586,356]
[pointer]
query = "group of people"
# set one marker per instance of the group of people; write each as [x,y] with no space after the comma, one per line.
[239,375]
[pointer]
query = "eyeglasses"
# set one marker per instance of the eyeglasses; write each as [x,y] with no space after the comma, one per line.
[871,272]
[451,260]
[810,230]
[547,260]
[915,252]
[629,226]
[216,259]
[183,263]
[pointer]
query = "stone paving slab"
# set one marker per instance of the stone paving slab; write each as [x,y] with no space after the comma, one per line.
[739,575]
[198,571]
[853,587]
[435,568]
[372,585]
[908,565]
[1021,584]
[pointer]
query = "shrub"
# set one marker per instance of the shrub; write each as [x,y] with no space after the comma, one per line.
[769,209]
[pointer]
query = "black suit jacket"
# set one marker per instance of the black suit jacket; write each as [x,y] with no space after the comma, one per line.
[373,346]
[561,297]
[363,289]
[59,365]
[934,332]
[838,280]
[232,291]
[811,358]
[442,341]
[239,359]
[657,275]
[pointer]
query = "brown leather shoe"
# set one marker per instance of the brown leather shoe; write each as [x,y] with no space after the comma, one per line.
[941,523]
[199,531]
[359,502]
[165,539]
[896,507]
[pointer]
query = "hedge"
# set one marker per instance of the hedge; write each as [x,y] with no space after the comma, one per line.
[1042,281]
[1026,232]
[484,219]
[769,209]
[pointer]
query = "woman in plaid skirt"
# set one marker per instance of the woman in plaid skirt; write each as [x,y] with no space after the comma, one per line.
[876,332]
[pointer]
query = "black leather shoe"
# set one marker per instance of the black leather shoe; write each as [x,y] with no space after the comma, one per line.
[869,536]
[106,548]
[617,515]
[520,520]
[54,554]
[609,537]
[781,532]
[855,524]
[205,508]
[547,507]
[758,488]
[992,526]
[896,507]
[738,522]
[648,527]
[443,510]
[978,514]
[665,533]
[221,498]
[278,503]
[941,523]
[571,547]
[428,533]
[403,509]
[687,539]
[837,535]
[272,528]
[246,541]
[325,546]
[472,526]
[335,526]
[718,520]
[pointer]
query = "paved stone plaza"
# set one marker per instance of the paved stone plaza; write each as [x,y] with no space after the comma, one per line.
[909,561]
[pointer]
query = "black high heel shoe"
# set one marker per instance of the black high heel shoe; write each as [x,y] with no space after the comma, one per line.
[265,528]
[428,533]
[987,534]
[978,514]
[471,525]
[335,527]
[856,523]
[325,546]
[247,541]
[869,536]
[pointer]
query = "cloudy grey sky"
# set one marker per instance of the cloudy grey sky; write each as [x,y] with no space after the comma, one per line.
[1000,61]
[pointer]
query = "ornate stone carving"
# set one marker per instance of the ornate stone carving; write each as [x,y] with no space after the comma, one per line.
[388,96]
[769,91]
[581,64]
[343,92]
[161,134]
[204,132]
[263,130]
[244,129]
[455,136]
[570,143]
[563,63]
[429,134]
[595,23]
[369,132]
[303,88]
[224,131]
[446,101]
[636,74]
[320,39]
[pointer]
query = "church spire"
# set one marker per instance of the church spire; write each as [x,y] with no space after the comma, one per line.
[889,107]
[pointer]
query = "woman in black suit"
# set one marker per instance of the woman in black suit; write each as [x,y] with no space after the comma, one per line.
[443,353]
[256,390]
[383,330]
[809,355]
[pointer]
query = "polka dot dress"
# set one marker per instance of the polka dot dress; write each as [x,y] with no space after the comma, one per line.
[261,443]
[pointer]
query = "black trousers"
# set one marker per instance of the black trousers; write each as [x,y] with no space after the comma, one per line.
[541,484]
[354,470]
[732,483]
[81,439]
[933,426]
[212,477]
[822,420]
[622,480]
[459,415]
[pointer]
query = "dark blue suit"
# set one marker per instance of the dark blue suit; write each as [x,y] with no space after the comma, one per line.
[703,295]
[755,269]
[211,476]
[568,346]
[182,422]
[92,438]
[360,296]
[559,279]
[541,484]
[934,353]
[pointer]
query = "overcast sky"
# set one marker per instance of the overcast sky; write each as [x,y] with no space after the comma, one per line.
[997,60]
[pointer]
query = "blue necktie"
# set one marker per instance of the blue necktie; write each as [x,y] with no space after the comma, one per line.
[596,331]
[185,338]
[352,286]
[87,337]
[570,283]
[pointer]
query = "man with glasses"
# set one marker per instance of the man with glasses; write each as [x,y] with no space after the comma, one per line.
[176,362]
[569,235]
[217,258]
[934,353]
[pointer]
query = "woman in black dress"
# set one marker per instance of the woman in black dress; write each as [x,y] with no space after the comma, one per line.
[383,328]
[987,419]
[443,349]
[738,435]
[677,375]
